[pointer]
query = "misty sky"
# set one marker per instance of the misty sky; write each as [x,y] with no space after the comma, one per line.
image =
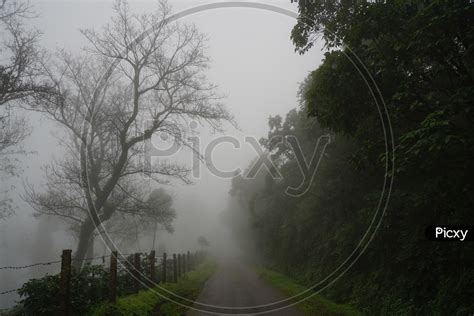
[252,61]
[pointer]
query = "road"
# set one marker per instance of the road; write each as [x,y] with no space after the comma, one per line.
[235,284]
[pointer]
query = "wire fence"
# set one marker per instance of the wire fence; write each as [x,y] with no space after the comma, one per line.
[72,259]
[49,263]
[120,274]
[29,265]
[9,291]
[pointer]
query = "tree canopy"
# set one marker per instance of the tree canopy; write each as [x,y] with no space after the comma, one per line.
[20,79]
[419,54]
[140,75]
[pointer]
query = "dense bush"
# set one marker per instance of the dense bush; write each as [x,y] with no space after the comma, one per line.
[420,55]
[41,296]
[88,288]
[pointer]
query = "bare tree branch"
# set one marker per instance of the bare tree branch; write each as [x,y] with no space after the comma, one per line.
[141,75]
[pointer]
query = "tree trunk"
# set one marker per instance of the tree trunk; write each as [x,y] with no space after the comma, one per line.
[87,228]
[90,250]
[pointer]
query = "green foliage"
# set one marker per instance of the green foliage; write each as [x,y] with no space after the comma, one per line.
[314,305]
[140,304]
[147,302]
[41,296]
[89,287]
[189,287]
[420,55]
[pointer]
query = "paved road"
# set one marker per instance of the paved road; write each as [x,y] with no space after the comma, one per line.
[235,284]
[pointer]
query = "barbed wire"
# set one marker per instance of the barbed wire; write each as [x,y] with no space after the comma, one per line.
[93,258]
[9,291]
[48,263]
[73,259]
[29,265]
[122,259]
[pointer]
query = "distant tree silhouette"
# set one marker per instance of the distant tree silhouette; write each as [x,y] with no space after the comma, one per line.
[203,242]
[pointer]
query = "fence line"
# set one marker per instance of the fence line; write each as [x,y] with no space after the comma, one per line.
[9,291]
[50,263]
[156,269]
[29,266]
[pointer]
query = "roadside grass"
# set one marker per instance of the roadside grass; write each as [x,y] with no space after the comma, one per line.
[314,306]
[148,302]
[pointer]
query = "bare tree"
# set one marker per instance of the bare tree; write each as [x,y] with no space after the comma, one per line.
[20,71]
[142,74]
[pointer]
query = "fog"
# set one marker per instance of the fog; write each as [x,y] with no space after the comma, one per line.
[255,67]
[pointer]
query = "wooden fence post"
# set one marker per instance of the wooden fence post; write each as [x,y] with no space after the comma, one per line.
[65,282]
[164,266]
[180,266]
[152,266]
[188,261]
[185,263]
[113,278]
[175,269]
[136,272]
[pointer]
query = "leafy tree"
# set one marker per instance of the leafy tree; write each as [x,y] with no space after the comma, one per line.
[158,214]
[203,242]
[420,55]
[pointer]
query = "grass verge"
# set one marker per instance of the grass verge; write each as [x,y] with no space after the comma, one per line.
[148,302]
[314,306]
